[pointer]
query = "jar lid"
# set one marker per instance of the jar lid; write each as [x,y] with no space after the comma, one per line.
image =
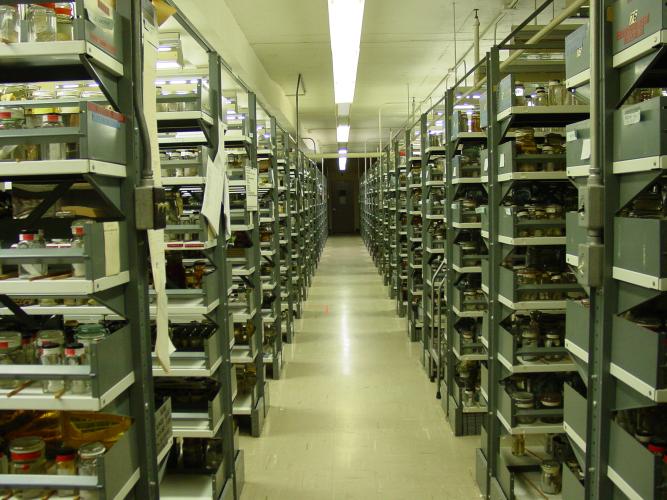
[91,331]
[26,448]
[51,118]
[5,115]
[48,348]
[92,450]
[523,396]
[74,349]
[550,466]
[65,455]
[27,236]
[656,448]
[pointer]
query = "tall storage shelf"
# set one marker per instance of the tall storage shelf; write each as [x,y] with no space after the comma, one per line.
[615,422]
[269,216]
[415,280]
[391,191]
[433,168]
[465,249]
[189,124]
[93,282]
[401,234]
[283,184]
[241,144]
[526,275]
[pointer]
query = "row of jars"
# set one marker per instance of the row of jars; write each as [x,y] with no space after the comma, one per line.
[553,93]
[196,454]
[39,22]
[181,154]
[188,337]
[31,239]
[650,203]
[12,119]
[27,455]
[183,275]
[538,330]
[49,348]
[190,394]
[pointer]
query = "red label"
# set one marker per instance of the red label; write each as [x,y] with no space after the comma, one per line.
[103,7]
[108,113]
[101,42]
[634,30]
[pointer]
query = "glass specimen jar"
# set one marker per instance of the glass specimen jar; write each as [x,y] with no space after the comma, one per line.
[31,239]
[9,24]
[27,457]
[88,455]
[51,354]
[54,150]
[41,20]
[66,466]
[550,481]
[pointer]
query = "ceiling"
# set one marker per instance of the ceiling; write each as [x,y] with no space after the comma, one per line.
[406,49]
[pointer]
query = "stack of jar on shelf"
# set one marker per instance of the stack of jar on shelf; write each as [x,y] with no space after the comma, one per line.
[41,442]
[39,22]
[70,345]
[50,115]
[551,93]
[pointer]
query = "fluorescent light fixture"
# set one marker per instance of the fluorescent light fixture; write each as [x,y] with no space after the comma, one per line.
[342,133]
[464,106]
[345,21]
[439,123]
[342,163]
[342,151]
[177,82]
[168,65]
[165,48]
[160,82]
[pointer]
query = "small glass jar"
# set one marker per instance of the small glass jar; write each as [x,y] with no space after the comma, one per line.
[529,340]
[524,401]
[75,355]
[66,466]
[541,97]
[9,24]
[28,348]
[78,232]
[90,334]
[11,119]
[551,479]
[27,457]
[44,336]
[53,151]
[88,455]
[556,93]
[30,239]
[553,340]
[519,94]
[10,348]
[551,400]
[41,21]
[518,445]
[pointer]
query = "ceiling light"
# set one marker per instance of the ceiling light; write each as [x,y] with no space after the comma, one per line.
[164,48]
[342,133]
[464,106]
[345,21]
[342,151]
[342,163]
[168,65]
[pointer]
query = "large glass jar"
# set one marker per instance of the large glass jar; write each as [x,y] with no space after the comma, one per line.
[41,20]
[64,25]
[51,354]
[541,97]
[550,482]
[11,119]
[524,401]
[30,239]
[88,455]
[9,24]
[90,334]
[556,93]
[66,466]
[75,355]
[54,150]
[78,231]
[27,457]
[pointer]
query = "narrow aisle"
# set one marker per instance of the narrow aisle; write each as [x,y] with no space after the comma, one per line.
[354,415]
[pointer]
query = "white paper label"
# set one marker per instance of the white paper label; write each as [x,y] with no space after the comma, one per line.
[632,117]
[111,248]
[585,149]
[454,205]
[251,188]
[508,211]
[502,160]
[571,136]
[454,173]
[486,164]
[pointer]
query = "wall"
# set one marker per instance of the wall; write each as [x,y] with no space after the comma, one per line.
[355,168]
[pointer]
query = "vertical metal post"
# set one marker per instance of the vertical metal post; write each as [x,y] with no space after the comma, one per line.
[495,259]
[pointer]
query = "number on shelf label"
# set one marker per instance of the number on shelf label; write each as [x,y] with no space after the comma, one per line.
[632,117]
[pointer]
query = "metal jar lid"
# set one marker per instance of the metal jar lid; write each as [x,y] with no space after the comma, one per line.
[26,448]
[92,450]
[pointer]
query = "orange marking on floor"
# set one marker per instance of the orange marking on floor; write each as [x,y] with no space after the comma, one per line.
[326,309]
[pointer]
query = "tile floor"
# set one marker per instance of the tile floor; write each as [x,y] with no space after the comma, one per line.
[354,415]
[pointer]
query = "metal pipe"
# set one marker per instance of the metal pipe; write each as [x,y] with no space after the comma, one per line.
[567,12]
[475,33]
[438,394]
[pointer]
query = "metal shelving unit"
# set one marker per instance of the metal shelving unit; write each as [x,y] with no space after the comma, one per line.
[58,286]
[414,227]
[525,275]
[190,124]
